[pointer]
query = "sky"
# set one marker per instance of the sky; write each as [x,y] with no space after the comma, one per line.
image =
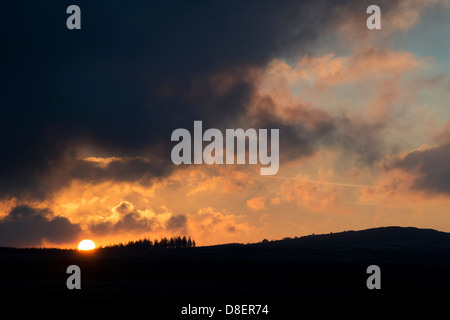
[87,117]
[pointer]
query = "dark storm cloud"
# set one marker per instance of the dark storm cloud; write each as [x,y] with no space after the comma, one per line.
[176,222]
[430,166]
[134,72]
[129,220]
[308,128]
[26,226]
[123,169]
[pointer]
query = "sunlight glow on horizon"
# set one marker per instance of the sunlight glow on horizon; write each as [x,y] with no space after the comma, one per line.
[86,245]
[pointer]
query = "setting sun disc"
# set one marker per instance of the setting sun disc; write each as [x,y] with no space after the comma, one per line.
[86,244]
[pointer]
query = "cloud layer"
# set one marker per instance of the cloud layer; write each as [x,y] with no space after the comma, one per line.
[26,226]
[429,167]
[133,74]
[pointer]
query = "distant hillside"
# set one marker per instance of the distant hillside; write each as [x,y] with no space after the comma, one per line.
[398,245]
[382,235]
[376,236]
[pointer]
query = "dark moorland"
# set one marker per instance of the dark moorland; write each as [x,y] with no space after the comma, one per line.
[415,267]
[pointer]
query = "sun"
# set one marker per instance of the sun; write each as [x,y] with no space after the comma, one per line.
[86,244]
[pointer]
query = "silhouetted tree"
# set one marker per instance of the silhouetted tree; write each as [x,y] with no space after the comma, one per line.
[145,243]
[164,242]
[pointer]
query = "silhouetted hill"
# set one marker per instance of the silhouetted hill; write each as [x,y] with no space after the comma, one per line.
[415,264]
[387,236]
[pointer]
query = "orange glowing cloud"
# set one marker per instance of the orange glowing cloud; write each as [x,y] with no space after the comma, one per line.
[364,64]
[211,226]
[257,203]
[314,195]
[222,179]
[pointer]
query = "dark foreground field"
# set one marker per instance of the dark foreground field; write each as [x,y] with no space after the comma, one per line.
[415,268]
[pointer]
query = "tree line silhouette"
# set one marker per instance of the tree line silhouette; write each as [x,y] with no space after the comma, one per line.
[163,243]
